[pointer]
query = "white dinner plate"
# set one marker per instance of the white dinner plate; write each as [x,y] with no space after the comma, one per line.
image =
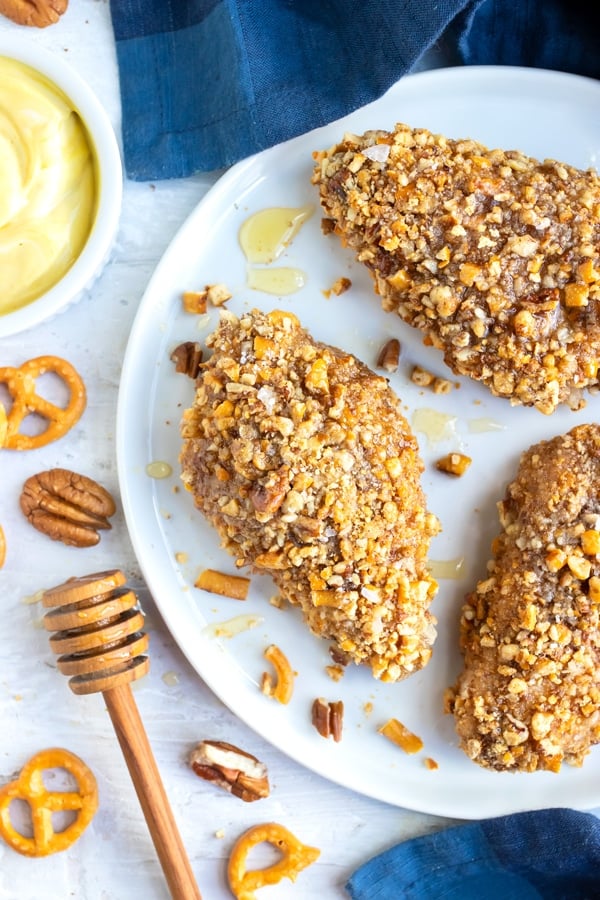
[542,113]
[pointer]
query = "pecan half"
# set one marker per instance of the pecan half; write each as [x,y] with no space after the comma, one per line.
[389,355]
[67,507]
[187,358]
[39,13]
[328,718]
[240,773]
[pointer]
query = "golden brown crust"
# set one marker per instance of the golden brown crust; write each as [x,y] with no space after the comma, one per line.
[38,13]
[494,255]
[529,695]
[299,455]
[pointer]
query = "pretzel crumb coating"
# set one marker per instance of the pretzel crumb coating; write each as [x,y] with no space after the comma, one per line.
[300,457]
[494,255]
[529,694]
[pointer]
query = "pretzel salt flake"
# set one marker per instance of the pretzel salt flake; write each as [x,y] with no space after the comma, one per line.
[30,787]
[295,857]
[21,384]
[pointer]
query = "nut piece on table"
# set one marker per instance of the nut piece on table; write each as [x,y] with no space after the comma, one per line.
[328,718]
[240,773]
[454,464]
[38,13]
[67,507]
[389,355]
[187,358]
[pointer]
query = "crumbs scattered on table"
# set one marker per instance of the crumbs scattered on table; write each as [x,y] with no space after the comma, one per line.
[454,464]
[430,764]
[336,673]
[424,378]
[196,301]
[339,287]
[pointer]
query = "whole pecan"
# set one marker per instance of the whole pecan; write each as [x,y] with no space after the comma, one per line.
[240,773]
[38,13]
[67,507]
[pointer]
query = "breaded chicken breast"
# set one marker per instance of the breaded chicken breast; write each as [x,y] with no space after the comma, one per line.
[529,695]
[300,457]
[493,255]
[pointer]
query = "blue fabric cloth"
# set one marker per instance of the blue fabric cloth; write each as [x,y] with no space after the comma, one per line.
[205,83]
[551,854]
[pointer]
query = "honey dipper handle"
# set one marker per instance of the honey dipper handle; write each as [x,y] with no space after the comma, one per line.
[146,778]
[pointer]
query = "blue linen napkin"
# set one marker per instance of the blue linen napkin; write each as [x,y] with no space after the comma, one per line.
[205,83]
[550,854]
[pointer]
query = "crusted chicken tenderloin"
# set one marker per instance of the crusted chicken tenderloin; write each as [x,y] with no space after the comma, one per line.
[529,694]
[494,255]
[300,457]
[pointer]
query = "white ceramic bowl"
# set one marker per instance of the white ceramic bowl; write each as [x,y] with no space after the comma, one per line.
[109,172]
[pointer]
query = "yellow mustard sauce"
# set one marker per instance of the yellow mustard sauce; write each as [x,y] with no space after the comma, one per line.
[48,185]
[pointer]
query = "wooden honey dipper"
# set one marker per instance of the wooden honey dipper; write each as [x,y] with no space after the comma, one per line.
[102,648]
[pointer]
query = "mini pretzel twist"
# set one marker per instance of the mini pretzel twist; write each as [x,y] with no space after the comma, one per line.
[30,787]
[21,385]
[295,857]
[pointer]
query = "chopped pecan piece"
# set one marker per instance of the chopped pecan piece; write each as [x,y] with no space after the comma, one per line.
[327,717]
[187,358]
[238,772]
[389,355]
[66,506]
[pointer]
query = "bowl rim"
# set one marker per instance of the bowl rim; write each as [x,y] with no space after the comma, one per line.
[109,176]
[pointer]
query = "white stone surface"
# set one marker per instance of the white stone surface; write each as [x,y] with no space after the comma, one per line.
[115,857]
